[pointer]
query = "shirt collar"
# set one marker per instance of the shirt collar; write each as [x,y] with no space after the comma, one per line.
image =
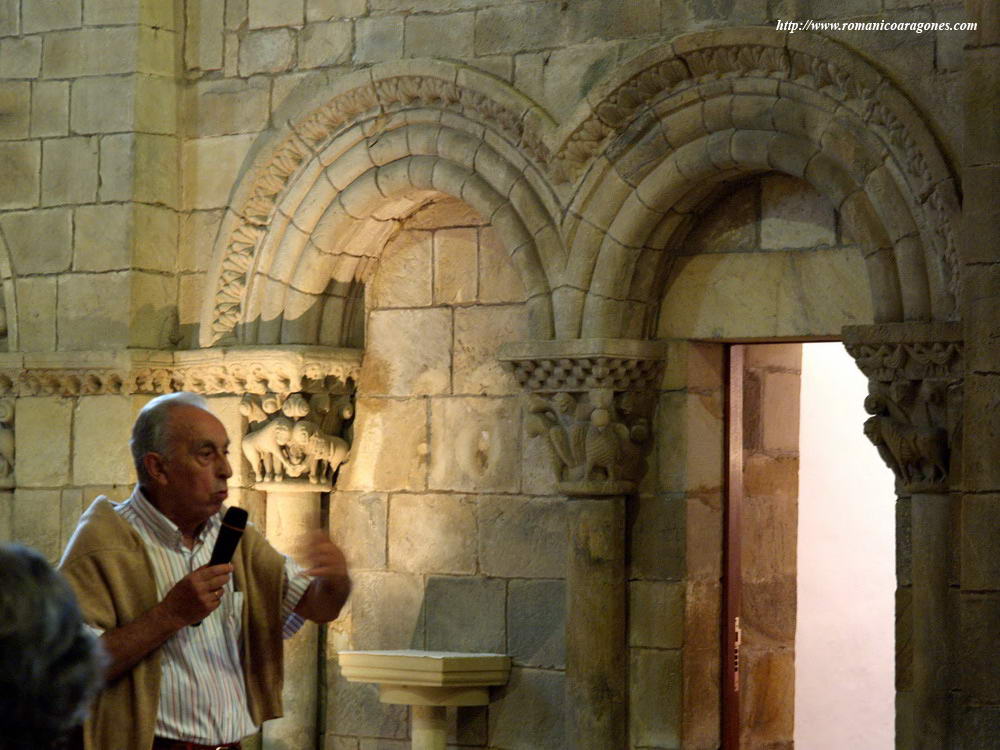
[161,528]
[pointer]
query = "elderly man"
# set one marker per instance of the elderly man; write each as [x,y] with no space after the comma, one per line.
[195,651]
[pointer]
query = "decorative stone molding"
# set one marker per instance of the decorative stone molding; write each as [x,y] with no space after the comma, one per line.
[297,440]
[259,370]
[915,390]
[591,400]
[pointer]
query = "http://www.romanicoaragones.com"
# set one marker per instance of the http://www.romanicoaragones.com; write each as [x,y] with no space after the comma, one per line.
[917,27]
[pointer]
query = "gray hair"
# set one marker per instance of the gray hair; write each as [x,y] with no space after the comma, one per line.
[50,664]
[149,433]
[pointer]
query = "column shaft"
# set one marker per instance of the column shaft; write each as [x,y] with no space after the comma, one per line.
[289,515]
[932,626]
[596,651]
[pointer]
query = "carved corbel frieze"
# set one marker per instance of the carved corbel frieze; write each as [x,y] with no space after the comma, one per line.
[914,399]
[591,401]
[297,441]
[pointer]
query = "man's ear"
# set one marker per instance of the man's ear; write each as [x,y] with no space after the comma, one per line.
[155,466]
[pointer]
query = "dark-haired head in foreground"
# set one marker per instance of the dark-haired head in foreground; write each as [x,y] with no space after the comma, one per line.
[50,665]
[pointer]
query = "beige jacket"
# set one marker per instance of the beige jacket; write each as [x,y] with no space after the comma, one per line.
[106,564]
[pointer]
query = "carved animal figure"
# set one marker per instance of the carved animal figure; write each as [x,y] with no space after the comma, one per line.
[603,444]
[918,455]
[265,449]
[326,454]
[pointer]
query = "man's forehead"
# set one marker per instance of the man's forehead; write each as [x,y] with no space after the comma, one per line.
[197,425]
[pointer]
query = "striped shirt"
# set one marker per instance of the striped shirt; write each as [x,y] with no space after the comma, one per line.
[203,695]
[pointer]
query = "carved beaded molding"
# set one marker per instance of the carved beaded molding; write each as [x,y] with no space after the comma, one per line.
[206,371]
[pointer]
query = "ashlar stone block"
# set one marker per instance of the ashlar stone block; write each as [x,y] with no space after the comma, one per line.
[379,38]
[354,708]
[267,51]
[93,311]
[39,241]
[211,167]
[409,353]
[49,108]
[521,537]
[43,441]
[455,273]
[49,15]
[153,310]
[403,278]
[432,533]
[516,27]
[117,163]
[20,163]
[20,57]
[981,542]
[793,215]
[203,48]
[103,105]
[656,614]
[90,52]
[101,238]
[478,333]
[655,679]
[427,35]
[322,44]
[390,448]
[657,541]
[387,611]
[225,107]
[266,13]
[322,10]
[155,169]
[499,280]
[15,109]
[528,713]
[36,521]
[36,297]
[9,17]
[101,428]
[536,623]
[358,523]
[465,614]
[69,171]
[475,445]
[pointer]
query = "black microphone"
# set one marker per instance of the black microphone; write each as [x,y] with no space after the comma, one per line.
[234,523]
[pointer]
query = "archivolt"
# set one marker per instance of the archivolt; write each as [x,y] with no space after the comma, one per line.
[322,195]
[655,142]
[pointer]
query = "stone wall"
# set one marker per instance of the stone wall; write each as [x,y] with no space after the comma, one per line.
[129,128]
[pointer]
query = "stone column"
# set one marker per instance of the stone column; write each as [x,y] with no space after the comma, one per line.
[915,399]
[295,447]
[596,637]
[291,513]
[591,401]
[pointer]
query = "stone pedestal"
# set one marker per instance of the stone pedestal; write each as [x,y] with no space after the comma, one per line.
[427,681]
[596,647]
[290,514]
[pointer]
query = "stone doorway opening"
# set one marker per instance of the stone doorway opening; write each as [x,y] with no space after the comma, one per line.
[809,556]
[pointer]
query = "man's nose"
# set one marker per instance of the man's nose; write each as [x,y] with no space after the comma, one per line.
[225,470]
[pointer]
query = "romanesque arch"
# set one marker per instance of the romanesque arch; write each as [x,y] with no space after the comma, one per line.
[655,142]
[325,193]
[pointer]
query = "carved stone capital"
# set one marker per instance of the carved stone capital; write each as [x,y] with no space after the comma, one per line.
[591,401]
[296,442]
[914,396]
